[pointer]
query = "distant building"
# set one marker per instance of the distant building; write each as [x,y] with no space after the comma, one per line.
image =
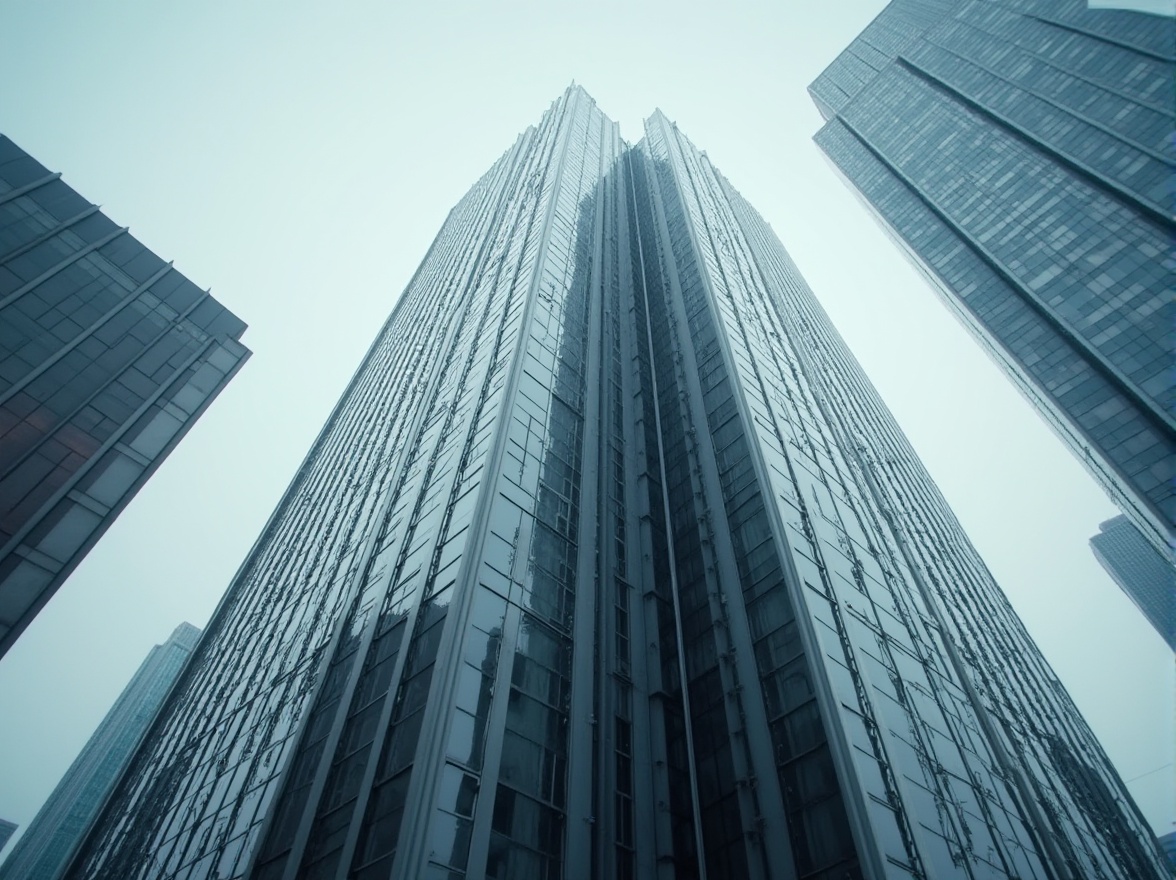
[7,829]
[1142,573]
[1021,152]
[108,356]
[43,850]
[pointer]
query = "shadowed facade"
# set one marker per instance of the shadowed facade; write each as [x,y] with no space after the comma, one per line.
[1022,153]
[108,356]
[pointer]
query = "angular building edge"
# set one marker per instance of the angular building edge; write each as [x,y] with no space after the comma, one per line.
[148,353]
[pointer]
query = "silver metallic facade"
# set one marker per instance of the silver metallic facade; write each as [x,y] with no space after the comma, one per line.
[611,563]
[108,356]
[43,851]
[1022,153]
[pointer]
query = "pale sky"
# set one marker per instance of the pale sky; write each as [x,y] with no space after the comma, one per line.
[298,159]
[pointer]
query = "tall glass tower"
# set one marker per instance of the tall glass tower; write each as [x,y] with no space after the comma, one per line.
[43,851]
[1022,152]
[611,563]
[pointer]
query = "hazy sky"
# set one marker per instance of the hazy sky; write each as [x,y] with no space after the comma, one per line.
[298,159]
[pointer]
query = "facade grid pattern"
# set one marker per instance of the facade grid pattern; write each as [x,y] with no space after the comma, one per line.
[1021,153]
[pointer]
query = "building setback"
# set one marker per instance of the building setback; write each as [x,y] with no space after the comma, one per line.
[43,851]
[108,356]
[1021,154]
[1142,573]
[611,563]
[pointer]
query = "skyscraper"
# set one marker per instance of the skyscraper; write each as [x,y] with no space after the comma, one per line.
[1141,572]
[1021,153]
[611,563]
[44,850]
[7,829]
[108,356]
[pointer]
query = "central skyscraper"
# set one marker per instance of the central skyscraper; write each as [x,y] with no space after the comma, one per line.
[611,563]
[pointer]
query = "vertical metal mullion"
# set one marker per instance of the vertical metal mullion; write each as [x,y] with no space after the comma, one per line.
[327,759]
[402,458]
[896,787]
[582,829]
[647,863]
[767,854]
[700,844]
[869,853]
[351,841]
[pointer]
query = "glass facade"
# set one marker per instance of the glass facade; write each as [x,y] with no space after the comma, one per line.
[1142,573]
[611,563]
[44,849]
[108,356]
[1022,152]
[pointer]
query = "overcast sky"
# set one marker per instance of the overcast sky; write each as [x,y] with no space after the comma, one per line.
[298,159]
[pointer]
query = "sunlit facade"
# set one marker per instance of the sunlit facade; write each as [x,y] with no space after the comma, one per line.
[1022,153]
[108,356]
[610,563]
